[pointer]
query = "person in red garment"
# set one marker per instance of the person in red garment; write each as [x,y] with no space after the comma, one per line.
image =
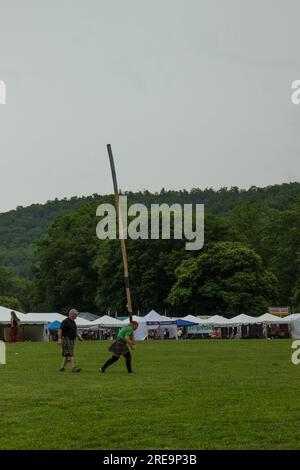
[14,327]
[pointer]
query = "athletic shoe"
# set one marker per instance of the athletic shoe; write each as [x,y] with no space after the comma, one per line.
[62,369]
[76,369]
[101,370]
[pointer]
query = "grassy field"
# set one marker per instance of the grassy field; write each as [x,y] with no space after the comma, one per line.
[183,395]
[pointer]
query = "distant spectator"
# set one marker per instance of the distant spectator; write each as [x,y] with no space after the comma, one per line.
[265,330]
[14,327]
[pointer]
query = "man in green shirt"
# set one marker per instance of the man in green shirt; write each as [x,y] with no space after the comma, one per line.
[120,347]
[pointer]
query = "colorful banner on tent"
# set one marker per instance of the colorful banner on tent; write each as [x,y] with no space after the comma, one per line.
[279,311]
[199,329]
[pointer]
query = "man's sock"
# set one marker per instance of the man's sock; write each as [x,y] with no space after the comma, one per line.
[110,362]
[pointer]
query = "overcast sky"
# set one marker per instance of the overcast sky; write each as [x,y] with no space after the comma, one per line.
[190,93]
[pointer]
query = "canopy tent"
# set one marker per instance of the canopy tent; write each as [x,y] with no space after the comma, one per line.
[51,317]
[270,319]
[295,325]
[108,322]
[218,321]
[88,316]
[181,323]
[215,320]
[54,326]
[46,317]
[30,329]
[125,321]
[290,318]
[241,319]
[193,319]
[153,316]
[155,321]
[5,317]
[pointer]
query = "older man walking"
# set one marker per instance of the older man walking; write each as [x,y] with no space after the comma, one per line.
[67,335]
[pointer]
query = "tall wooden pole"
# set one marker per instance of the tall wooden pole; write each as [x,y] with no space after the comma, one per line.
[121,231]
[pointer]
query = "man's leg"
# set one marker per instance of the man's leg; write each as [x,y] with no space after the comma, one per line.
[109,363]
[73,365]
[64,363]
[65,356]
[128,361]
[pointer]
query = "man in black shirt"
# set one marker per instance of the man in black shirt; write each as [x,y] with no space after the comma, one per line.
[67,335]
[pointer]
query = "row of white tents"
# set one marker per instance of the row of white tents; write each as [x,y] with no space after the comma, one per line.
[34,325]
[218,321]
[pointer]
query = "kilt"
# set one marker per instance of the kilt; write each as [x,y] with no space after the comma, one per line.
[68,347]
[118,347]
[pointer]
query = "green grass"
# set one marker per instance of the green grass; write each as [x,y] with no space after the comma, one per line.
[184,395]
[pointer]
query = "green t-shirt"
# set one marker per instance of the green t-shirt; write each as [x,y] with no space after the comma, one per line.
[127,330]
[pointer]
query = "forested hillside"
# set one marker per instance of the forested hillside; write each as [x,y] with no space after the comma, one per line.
[51,259]
[21,228]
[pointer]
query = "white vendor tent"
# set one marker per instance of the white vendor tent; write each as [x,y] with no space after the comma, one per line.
[155,321]
[290,318]
[194,319]
[294,321]
[108,322]
[218,321]
[48,317]
[30,329]
[134,318]
[51,317]
[241,319]
[5,316]
[270,319]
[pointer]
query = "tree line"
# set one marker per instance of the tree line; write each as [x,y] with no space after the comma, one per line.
[250,259]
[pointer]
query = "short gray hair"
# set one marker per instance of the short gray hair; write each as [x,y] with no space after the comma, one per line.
[73,311]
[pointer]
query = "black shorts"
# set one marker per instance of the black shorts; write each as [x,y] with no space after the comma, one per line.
[68,347]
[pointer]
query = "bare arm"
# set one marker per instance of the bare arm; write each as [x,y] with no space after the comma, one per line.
[59,335]
[130,341]
[79,337]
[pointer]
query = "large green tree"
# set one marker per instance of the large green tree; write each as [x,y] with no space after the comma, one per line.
[228,278]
